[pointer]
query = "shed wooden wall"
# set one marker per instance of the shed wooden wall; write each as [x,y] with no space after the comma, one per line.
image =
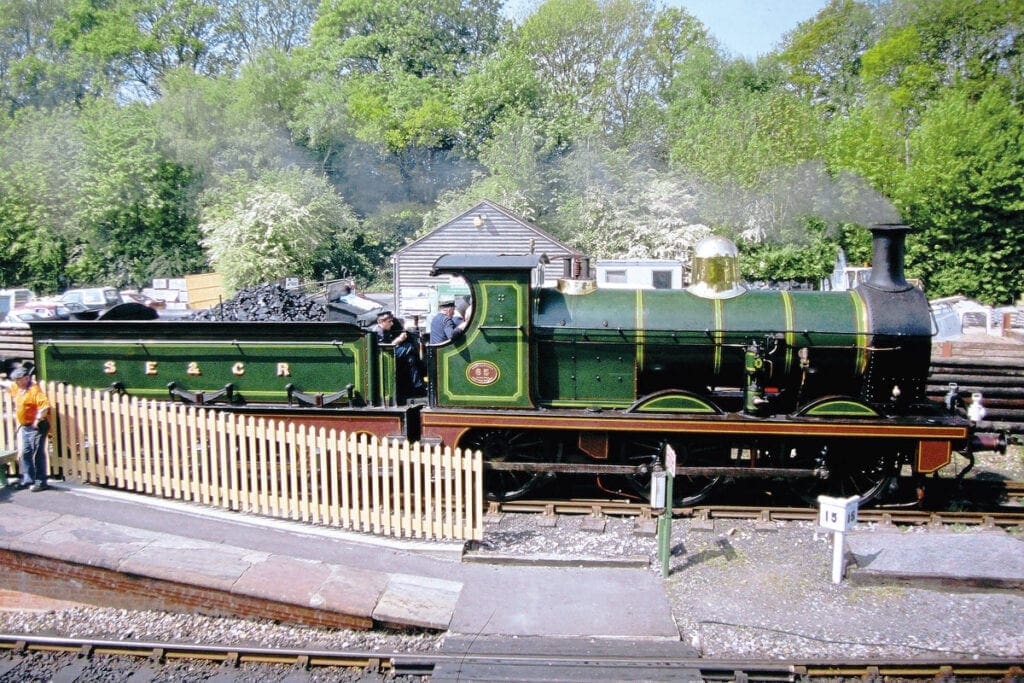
[501,232]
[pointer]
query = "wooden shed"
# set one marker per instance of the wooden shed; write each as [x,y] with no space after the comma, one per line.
[487,228]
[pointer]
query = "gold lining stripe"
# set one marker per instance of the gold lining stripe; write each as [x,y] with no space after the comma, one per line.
[718,335]
[787,312]
[641,334]
[860,317]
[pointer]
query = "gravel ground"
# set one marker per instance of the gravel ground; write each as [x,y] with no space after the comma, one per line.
[734,592]
[745,593]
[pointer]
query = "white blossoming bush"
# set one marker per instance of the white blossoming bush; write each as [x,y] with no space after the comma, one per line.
[260,230]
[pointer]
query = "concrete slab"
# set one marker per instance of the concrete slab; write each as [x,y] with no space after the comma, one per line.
[188,561]
[990,559]
[83,541]
[551,560]
[418,600]
[276,577]
[16,520]
[564,603]
[350,590]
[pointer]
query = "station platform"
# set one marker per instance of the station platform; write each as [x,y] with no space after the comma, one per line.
[96,546]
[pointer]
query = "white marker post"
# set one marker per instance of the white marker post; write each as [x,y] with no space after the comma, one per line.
[838,515]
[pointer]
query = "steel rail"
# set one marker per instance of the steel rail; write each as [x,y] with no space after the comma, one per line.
[872,515]
[423,663]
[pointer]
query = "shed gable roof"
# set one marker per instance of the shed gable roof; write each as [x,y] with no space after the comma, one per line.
[498,223]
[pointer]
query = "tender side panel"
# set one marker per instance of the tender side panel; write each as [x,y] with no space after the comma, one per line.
[144,358]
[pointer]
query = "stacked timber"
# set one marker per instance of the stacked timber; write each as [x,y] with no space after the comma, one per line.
[15,345]
[992,366]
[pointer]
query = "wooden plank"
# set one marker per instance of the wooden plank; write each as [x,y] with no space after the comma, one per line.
[459,500]
[365,501]
[321,490]
[447,510]
[407,491]
[234,458]
[294,510]
[337,444]
[346,481]
[250,474]
[478,495]
[388,465]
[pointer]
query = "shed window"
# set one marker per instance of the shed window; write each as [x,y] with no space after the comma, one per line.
[661,279]
[616,277]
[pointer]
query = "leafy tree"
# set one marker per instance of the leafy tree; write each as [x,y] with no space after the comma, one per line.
[136,207]
[37,68]
[91,198]
[284,223]
[41,169]
[823,55]
[605,64]
[802,263]
[141,40]
[496,93]
[221,125]
[256,27]
[736,121]
[517,173]
[420,38]
[965,196]
[931,45]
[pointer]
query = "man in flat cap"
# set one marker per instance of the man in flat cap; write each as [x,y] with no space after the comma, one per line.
[31,409]
[391,332]
[443,327]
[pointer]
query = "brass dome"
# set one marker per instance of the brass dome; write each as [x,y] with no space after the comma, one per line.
[715,269]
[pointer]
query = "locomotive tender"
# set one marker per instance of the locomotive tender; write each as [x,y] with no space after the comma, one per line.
[826,389]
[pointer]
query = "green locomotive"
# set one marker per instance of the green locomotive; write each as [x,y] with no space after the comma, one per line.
[826,389]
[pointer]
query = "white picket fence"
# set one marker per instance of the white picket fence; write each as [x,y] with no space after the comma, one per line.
[262,466]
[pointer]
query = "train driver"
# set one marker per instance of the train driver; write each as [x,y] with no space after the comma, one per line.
[444,326]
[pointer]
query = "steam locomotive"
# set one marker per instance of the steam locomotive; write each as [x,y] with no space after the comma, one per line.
[823,389]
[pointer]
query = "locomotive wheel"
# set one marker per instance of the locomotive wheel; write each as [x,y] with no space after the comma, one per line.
[850,473]
[509,445]
[686,491]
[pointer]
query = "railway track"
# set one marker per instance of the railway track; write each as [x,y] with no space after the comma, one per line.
[95,659]
[906,516]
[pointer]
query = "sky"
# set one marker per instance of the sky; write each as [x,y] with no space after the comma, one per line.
[744,28]
[750,28]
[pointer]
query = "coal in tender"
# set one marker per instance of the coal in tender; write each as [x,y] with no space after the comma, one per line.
[266,303]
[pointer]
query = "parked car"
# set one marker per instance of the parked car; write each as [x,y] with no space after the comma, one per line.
[13,298]
[87,303]
[91,298]
[144,299]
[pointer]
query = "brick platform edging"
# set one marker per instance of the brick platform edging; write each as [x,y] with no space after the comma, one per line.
[106,588]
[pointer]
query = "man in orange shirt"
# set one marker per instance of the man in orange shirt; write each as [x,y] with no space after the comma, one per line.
[32,407]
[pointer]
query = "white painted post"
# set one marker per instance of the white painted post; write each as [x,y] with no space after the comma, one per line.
[838,550]
[838,515]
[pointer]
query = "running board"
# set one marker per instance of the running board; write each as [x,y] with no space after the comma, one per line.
[580,468]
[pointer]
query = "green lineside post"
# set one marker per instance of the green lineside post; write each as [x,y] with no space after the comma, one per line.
[665,523]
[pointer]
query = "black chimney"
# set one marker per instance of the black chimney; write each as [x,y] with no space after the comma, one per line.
[888,247]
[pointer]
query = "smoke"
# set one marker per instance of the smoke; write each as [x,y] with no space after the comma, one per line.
[778,208]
